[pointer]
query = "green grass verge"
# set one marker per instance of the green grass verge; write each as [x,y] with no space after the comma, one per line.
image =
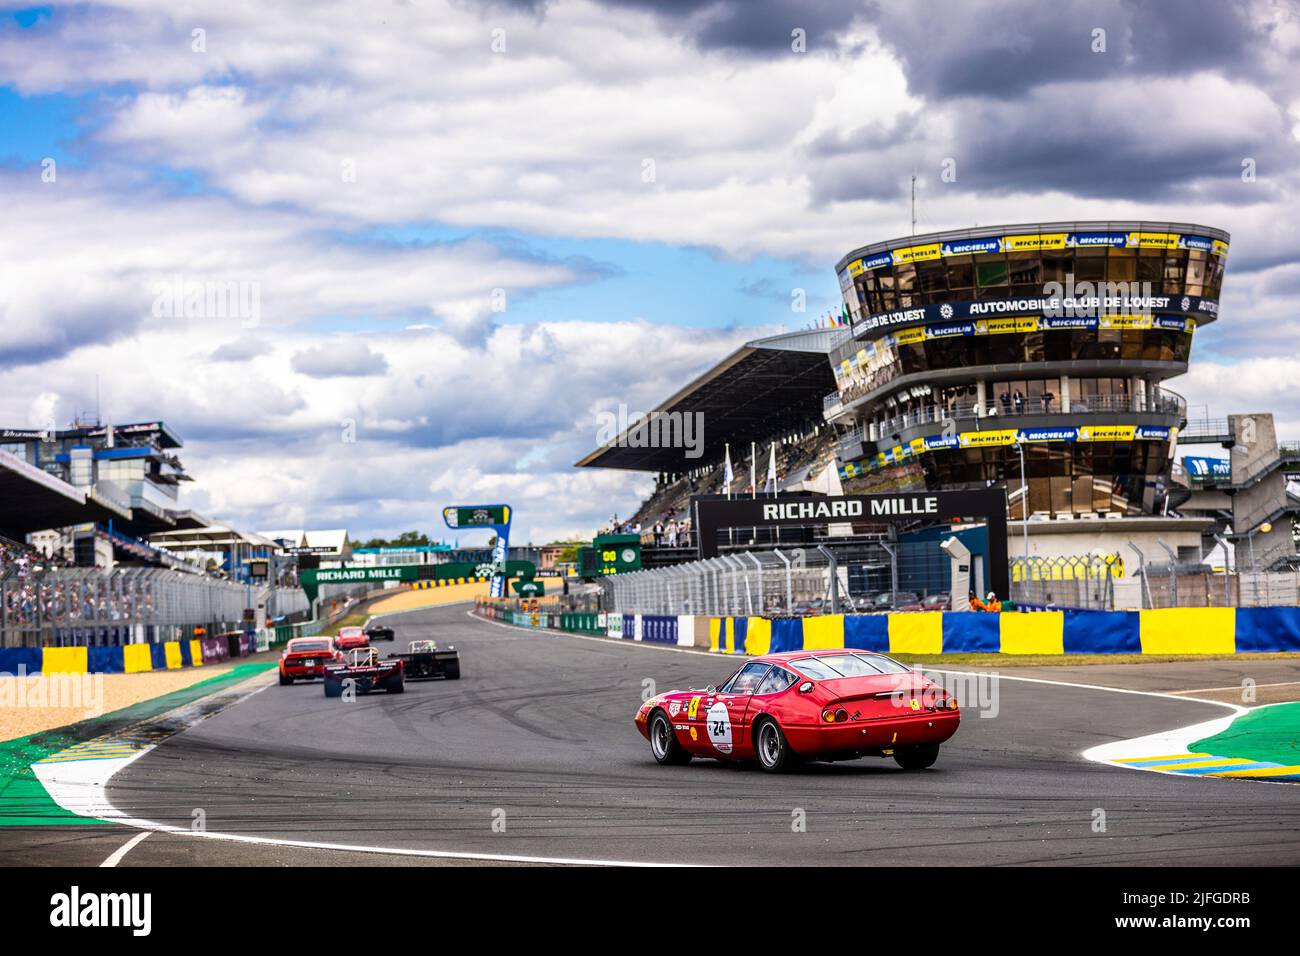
[1270,734]
[23,800]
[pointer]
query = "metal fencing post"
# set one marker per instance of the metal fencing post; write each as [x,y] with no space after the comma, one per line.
[789,583]
[835,577]
[1142,570]
[758,577]
[893,573]
[1173,571]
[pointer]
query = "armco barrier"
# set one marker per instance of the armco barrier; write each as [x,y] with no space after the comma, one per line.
[1164,631]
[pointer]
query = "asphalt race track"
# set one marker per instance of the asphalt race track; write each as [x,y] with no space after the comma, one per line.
[538,734]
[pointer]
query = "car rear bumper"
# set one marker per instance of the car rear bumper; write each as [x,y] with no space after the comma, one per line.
[928,727]
[302,671]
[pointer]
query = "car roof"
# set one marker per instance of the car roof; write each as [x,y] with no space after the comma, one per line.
[352,630]
[779,657]
[299,640]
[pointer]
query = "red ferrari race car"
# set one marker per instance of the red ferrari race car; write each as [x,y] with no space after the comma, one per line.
[805,705]
[306,657]
[350,638]
[364,670]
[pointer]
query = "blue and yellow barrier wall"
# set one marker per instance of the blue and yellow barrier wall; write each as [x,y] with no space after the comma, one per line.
[1190,630]
[1186,630]
[127,659]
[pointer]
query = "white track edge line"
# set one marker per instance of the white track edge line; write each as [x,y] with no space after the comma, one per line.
[117,855]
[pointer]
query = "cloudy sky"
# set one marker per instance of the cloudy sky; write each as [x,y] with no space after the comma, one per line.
[455,232]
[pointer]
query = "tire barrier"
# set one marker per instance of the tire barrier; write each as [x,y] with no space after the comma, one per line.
[1209,630]
[127,659]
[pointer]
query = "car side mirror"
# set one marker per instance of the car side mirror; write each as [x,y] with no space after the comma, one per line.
[711,689]
[806,687]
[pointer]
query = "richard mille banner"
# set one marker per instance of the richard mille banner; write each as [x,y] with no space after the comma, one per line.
[988,504]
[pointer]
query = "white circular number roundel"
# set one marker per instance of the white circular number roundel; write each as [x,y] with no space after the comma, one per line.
[718,722]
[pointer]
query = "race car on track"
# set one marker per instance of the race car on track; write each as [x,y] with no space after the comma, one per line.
[305,657]
[364,670]
[805,705]
[379,632]
[425,661]
[350,638]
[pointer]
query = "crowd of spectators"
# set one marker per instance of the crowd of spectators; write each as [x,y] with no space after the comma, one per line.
[30,596]
[21,560]
[664,519]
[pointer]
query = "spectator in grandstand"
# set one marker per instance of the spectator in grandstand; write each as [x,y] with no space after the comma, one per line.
[672,532]
[1019,399]
[1005,399]
[659,533]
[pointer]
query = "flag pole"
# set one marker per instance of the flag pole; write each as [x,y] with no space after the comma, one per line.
[727,478]
[753,484]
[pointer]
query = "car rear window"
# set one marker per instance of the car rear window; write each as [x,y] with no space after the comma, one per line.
[887,665]
[830,666]
[812,667]
[849,665]
[309,646]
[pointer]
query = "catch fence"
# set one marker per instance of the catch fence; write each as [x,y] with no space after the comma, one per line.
[86,606]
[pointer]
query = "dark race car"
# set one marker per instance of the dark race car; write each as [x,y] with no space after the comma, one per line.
[380,632]
[363,670]
[424,660]
[780,709]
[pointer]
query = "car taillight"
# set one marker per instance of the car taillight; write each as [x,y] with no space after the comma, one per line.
[836,716]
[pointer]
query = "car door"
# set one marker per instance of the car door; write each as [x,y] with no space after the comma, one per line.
[770,698]
[725,718]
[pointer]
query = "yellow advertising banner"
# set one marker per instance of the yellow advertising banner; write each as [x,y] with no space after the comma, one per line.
[910,336]
[1005,436]
[1046,240]
[855,268]
[1153,240]
[1020,323]
[1220,248]
[1125,322]
[917,253]
[1107,432]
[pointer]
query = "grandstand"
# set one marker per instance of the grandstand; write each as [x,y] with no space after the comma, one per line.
[1031,357]
[766,394]
[109,487]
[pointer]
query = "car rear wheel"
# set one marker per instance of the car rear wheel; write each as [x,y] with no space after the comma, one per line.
[773,751]
[285,681]
[333,687]
[663,741]
[395,684]
[452,671]
[917,757]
